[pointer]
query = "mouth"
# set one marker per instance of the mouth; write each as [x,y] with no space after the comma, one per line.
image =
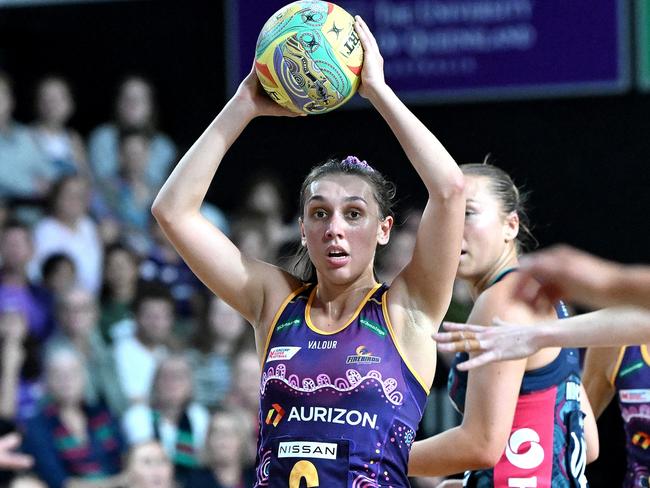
[337,256]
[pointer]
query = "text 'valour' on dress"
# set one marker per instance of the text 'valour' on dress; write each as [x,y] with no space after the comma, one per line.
[337,409]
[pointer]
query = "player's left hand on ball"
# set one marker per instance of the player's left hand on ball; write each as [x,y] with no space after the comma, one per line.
[372,73]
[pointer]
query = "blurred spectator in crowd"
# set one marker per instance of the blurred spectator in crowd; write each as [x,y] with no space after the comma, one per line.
[172,417]
[260,230]
[69,228]
[60,144]
[20,374]
[12,352]
[397,253]
[77,314]
[225,455]
[244,397]
[219,337]
[58,274]
[134,110]
[27,481]
[165,265]
[119,289]
[17,293]
[13,330]
[126,198]
[70,440]
[24,170]
[147,466]
[138,354]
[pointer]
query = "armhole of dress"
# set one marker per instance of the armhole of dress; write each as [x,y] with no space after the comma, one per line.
[278,314]
[391,331]
[617,366]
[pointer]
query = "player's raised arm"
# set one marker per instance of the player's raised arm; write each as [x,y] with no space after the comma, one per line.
[241,281]
[427,280]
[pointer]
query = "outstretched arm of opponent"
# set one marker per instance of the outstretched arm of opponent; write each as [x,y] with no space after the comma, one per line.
[563,272]
[614,326]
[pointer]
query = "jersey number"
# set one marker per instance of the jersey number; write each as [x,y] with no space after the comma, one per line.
[303,470]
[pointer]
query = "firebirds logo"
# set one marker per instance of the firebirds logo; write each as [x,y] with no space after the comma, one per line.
[362,356]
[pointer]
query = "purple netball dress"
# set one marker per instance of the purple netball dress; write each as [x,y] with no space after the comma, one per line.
[337,409]
[631,378]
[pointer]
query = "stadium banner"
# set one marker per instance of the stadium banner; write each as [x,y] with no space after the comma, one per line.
[437,50]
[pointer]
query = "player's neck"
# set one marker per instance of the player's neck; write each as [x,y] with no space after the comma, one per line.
[506,261]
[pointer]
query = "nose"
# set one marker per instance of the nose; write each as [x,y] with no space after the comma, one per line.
[334,228]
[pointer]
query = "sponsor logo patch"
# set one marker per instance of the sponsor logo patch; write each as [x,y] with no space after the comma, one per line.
[305,449]
[373,327]
[635,396]
[282,353]
[362,356]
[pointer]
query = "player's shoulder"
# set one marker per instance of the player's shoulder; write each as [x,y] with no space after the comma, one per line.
[499,300]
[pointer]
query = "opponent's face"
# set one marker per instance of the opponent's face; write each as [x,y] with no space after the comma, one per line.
[488,232]
[341,227]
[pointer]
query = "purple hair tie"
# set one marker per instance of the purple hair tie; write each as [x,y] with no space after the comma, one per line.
[354,161]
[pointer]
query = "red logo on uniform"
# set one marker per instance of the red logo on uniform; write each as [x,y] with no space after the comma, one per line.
[275,415]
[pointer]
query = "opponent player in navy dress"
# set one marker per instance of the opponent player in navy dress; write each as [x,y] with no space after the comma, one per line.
[346,362]
[521,418]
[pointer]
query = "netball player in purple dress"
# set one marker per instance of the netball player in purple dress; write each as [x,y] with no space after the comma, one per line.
[346,362]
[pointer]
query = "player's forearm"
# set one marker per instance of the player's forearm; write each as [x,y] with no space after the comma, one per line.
[629,285]
[188,184]
[453,451]
[438,170]
[616,326]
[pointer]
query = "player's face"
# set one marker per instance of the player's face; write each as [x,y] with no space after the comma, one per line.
[485,234]
[341,227]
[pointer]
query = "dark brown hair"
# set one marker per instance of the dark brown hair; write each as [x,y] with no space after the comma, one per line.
[509,196]
[382,189]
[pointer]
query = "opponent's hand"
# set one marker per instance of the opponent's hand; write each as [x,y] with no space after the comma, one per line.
[10,459]
[252,94]
[501,343]
[562,272]
[372,73]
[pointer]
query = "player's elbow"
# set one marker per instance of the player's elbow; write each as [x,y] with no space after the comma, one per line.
[162,212]
[454,187]
[486,448]
[488,456]
[593,451]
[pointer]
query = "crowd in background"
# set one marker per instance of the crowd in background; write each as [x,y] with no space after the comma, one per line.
[118,366]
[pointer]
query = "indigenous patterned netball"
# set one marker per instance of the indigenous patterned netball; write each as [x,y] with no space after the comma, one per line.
[308,56]
[546,447]
[631,377]
[338,409]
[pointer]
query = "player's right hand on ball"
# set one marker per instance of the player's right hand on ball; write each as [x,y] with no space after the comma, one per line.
[250,92]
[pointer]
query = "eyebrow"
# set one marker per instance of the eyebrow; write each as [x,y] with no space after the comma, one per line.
[321,198]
